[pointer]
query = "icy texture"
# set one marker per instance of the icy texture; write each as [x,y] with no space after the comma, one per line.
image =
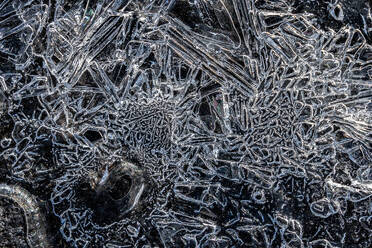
[200,123]
[35,222]
[12,224]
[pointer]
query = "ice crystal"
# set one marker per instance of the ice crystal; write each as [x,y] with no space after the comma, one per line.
[199,123]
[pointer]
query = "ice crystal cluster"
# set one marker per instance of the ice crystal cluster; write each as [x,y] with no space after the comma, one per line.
[187,123]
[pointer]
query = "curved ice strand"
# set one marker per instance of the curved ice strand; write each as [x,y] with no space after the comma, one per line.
[36,235]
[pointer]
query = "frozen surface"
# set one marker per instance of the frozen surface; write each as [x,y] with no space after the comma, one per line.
[199,123]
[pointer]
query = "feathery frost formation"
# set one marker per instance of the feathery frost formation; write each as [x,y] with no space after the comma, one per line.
[199,123]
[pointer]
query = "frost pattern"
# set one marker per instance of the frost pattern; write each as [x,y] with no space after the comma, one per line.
[201,123]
